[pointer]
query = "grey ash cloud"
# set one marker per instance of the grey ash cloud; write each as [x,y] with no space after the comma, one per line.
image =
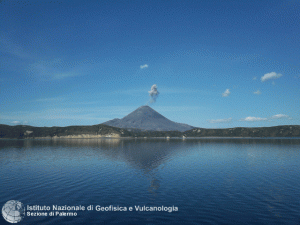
[153,93]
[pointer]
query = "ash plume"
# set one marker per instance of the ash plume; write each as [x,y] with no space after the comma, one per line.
[153,93]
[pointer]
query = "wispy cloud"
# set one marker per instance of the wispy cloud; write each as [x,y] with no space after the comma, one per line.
[257,92]
[226,93]
[59,76]
[163,109]
[55,99]
[253,119]
[144,66]
[129,91]
[220,120]
[9,47]
[281,116]
[58,115]
[54,69]
[269,76]
[254,78]
[163,90]
[178,90]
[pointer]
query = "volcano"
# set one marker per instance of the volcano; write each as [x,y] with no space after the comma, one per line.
[146,118]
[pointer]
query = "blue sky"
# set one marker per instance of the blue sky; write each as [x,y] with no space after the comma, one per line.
[216,64]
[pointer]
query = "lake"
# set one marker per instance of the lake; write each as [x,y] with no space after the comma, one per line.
[175,181]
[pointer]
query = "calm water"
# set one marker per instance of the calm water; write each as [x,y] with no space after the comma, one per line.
[211,181]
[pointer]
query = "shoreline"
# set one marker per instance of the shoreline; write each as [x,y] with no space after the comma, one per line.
[104,131]
[142,138]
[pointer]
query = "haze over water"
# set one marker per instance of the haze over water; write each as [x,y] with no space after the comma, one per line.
[211,181]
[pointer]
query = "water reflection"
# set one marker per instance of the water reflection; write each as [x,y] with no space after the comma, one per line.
[145,155]
[207,178]
[155,184]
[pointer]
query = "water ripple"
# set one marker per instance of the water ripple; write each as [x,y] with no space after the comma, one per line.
[210,181]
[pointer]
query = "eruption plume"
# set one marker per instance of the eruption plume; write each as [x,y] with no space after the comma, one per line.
[153,93]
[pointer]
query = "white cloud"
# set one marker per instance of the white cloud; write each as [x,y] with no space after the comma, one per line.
[280,116]
[269,76]
[253,119]
[254,78]
[220,120]
[226,93]
[257,92]
[16,122]
[144,66]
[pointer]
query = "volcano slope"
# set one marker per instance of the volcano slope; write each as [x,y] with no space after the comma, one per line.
[146,118]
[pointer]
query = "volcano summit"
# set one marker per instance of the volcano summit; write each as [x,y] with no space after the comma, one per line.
[146,118]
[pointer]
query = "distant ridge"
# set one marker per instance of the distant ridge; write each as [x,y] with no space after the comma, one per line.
[104,131]
[146,118]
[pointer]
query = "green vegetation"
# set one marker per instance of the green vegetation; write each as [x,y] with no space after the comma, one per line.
[22,131]
[277,131]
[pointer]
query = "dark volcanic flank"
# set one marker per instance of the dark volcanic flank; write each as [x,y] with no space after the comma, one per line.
[146,118]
